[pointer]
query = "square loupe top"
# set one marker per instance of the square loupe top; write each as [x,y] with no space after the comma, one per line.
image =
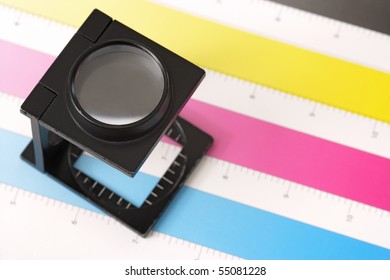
[113,92]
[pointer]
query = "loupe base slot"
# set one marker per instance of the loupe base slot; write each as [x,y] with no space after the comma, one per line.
[59,162]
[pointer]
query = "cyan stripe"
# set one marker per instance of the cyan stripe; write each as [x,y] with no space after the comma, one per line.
[203,218]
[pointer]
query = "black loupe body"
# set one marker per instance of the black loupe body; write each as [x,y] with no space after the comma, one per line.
[114,93]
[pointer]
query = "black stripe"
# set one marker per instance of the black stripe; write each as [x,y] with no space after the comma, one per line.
[371,14]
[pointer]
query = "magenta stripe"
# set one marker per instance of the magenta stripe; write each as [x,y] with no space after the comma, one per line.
[21,68]
[249,142]
[293,155]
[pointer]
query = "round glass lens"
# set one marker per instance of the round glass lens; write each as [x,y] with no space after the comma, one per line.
[119,84]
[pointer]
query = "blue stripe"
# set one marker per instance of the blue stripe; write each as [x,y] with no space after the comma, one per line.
[206,219]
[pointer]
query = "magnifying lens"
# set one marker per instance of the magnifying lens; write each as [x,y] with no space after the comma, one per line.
[114,93]
[119,84]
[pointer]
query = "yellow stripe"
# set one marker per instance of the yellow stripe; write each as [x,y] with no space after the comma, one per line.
[267,62]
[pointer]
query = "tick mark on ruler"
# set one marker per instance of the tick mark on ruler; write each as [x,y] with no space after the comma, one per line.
[253,93]
[167,180]
[337,34]
[13,202]
[17,21]
[375,133]
[287,194]
[101,191]
[199,253]
[165,156]
[313,112]
[74,221]
[279,15]
[171,171]
[349,217]
[94,184]
[148,202]
[135,240]
[226,175]
[182,156]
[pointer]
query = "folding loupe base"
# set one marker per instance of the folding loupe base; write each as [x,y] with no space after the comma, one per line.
[61,155]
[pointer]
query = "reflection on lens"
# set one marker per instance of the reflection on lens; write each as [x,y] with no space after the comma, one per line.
[119,84]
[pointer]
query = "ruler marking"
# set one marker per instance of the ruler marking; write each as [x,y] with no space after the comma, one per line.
[154,194]
[171,171]
[253,93]
[278,17]
[165,156]
[94,185]
[226,174]
[287,194]
[167,180]
[74,221]
[375,133]
[182,156]
[337,34]
[13,201]
[313,112]
[101,191]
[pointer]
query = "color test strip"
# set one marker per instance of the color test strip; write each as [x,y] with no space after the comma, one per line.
[256,144]
[240,54]
[206,219]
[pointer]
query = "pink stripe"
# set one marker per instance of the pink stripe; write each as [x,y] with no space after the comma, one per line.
[293,155]
[21,68]
[249,142]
